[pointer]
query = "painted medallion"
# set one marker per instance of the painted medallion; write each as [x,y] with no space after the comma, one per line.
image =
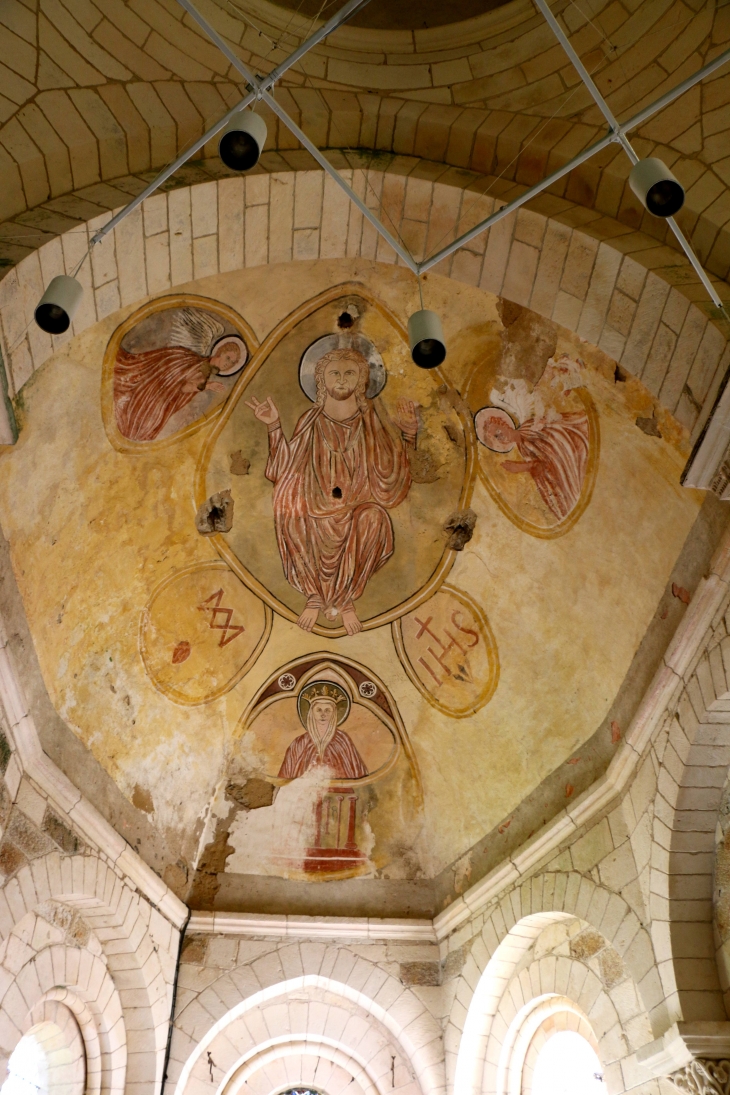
[353,466]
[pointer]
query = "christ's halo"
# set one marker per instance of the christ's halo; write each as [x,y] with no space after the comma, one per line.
[323,345]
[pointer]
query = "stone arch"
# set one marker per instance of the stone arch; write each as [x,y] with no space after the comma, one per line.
[122,941]
[507,935]
[626,305]
[84,1017]
[592,983]
[694,771]
[302,1010]
[75,980]
[310,1063]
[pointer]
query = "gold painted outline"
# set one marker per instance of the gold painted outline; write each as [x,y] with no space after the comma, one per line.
[172,693]
[594,449]
[335,662]
[493,659]
[162,304]
[257,359]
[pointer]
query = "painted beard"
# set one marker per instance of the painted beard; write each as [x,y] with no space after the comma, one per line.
[340,394]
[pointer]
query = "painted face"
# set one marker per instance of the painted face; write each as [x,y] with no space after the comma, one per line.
[227,358]
[340,378]
[495,431]
[323,711]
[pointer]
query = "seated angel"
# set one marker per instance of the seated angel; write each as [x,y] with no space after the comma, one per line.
[151,386]
[553,450]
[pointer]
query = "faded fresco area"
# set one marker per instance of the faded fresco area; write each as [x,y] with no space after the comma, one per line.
[327,615]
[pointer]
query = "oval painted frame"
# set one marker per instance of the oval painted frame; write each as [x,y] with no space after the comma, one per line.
[255,362]
[490,687]
[171,693]
[160,304]
[541,532]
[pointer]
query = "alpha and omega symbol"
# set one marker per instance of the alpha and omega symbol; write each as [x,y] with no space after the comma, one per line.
[221,618]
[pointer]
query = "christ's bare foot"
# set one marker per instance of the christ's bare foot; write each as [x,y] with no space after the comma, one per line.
[308,618]
[350,621]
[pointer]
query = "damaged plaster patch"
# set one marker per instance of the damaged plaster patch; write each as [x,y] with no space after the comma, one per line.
[142,799]
[215,514]
[281,833]
[239,464]
[459,528]
[251,795]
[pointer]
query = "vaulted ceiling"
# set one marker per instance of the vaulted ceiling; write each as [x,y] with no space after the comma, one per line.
[180,738]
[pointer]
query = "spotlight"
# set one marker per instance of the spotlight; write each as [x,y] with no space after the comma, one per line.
[58,305]
[242,141]
[656,187]
[426,339]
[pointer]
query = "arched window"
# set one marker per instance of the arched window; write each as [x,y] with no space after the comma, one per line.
[567,1064]
[48,1060]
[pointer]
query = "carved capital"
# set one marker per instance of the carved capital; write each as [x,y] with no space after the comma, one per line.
[703,1077]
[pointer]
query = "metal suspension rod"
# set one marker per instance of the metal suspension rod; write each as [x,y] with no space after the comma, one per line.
[620,136]
[637,119]
[515,203]
[264,94]
[345,13]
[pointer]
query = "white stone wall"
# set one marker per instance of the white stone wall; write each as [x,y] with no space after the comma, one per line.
[79,930]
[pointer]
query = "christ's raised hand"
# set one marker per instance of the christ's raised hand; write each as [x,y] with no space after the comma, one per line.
[406,418]
[265,412]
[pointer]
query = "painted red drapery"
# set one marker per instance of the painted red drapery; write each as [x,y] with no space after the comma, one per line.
[339,754]
[148,389]
[558,454]
[334,482]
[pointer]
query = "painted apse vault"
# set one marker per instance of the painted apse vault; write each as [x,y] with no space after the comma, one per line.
[328,615]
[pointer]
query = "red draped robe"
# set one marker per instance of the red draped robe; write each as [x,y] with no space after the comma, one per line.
[558,454]
[334,482]
[339,754]
[148,389]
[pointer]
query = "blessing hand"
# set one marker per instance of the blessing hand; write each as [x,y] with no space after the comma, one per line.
[406,418]
[266,411]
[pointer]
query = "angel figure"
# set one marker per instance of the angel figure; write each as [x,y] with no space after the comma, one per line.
[151,386]
[552,445]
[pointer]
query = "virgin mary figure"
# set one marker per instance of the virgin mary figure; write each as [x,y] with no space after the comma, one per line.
[151,386]
[322,707]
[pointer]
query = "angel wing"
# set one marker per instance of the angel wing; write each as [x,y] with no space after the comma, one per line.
[195,330]
[518,400]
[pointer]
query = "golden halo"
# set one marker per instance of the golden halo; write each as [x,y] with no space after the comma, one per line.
[319,690]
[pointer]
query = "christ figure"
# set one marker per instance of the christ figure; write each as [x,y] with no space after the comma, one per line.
[554,452]
[334,482]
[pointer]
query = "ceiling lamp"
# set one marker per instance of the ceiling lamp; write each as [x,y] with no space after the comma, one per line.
[58,305]
[426,339]
[656,187]
[242,141]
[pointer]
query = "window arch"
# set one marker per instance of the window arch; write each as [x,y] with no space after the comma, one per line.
[566,1063]
[48,1060]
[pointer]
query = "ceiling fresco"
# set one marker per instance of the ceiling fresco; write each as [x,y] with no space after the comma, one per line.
[324,615]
